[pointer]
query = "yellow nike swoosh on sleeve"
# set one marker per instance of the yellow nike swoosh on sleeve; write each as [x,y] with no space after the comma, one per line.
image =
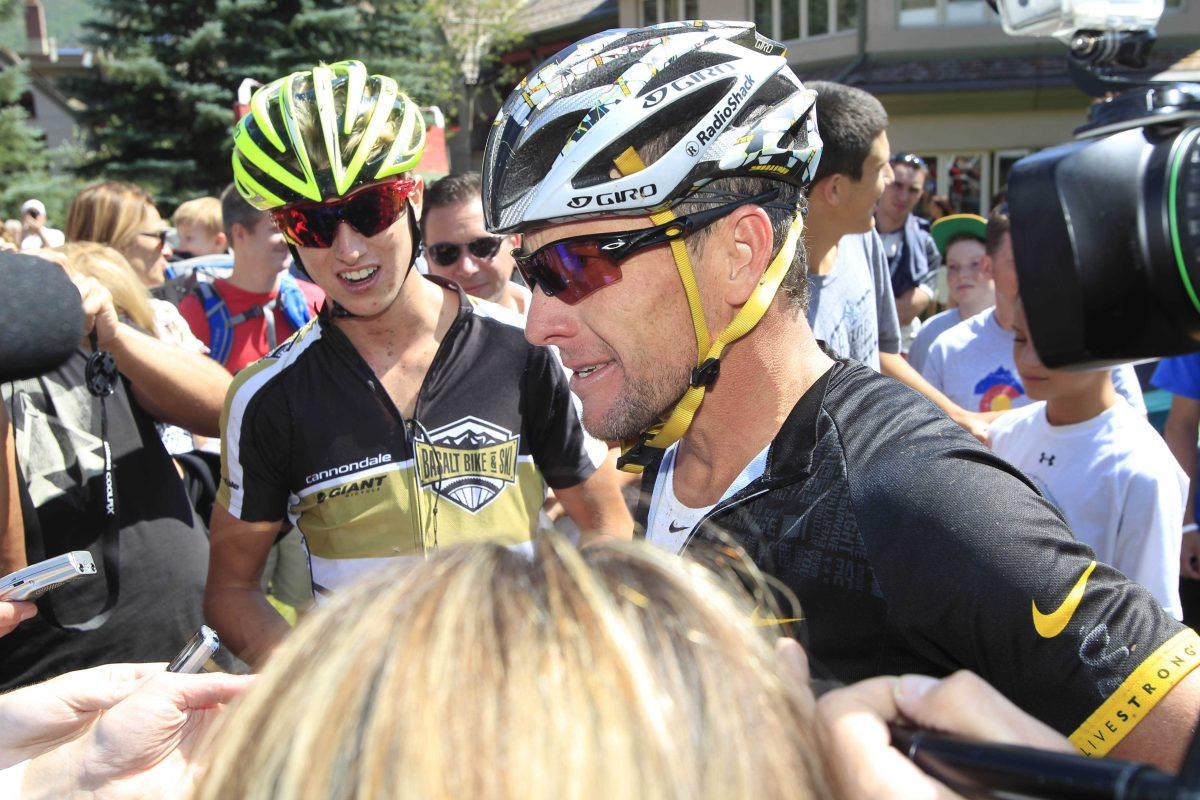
[759,621]
[1050,625]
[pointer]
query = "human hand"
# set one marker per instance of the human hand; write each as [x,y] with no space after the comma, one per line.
[143,746]
[1189,555]
[99,313]
[854,726]
[975,424]
[13,613]
[37,718]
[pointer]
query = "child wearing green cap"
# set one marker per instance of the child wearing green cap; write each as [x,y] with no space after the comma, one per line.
[959,238]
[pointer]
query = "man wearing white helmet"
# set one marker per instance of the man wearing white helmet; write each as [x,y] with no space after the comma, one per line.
[656,176]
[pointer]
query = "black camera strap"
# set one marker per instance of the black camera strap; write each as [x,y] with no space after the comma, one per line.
[101,377]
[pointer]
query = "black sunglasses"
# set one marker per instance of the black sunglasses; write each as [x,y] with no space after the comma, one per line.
[573,268]
[161,235]
[445,254]
[911,160]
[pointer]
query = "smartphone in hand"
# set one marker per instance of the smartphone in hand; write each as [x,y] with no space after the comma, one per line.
[35,580]
[196,653]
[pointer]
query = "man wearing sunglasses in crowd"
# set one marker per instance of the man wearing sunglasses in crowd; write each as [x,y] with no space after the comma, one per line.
[458,247]
[656,176]
[912,256]
[407,416]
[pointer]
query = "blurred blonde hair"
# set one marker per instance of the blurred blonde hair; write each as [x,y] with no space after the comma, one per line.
[616,673]
[12,231]
[110,213]
[204,212]
[112,270]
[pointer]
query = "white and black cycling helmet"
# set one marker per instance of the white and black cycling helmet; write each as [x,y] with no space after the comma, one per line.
[739,108]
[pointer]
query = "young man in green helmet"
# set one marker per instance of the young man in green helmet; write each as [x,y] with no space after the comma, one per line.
[407,416]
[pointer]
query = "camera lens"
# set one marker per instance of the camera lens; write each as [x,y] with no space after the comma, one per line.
[1183,210]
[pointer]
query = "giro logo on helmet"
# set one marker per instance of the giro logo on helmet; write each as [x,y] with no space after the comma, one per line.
[687,81]
[722,116]
[626,195]
[615,198]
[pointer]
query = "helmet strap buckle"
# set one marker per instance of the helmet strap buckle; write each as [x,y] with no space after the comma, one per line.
[706,374]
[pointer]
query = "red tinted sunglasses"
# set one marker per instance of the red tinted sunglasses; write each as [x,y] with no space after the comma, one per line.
[571,269]
[369,211]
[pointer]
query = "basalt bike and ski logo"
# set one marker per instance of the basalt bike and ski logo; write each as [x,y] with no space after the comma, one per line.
[469,462]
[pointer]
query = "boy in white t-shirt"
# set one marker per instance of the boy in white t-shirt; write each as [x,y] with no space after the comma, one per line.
[1102,464]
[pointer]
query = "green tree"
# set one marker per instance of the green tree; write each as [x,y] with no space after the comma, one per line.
[25,163]
[160,106]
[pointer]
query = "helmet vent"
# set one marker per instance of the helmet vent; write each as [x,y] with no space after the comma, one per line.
[656,134]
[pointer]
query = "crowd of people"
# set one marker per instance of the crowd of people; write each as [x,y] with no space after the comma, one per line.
[559,465]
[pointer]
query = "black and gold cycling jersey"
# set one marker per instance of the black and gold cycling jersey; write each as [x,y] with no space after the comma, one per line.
[309,432]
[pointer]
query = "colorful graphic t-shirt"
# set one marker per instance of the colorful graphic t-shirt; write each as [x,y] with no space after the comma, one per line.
[309,432]
[972,364]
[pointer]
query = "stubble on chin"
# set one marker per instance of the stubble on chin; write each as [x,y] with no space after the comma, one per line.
[642,404]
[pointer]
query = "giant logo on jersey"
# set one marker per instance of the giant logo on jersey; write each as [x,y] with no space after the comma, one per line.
[998,390]
[469,462]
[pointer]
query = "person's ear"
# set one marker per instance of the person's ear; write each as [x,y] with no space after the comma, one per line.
[985,267]
[515,239]
[417,196]
[748,253]
[221,241]
[240,233]
[832,189]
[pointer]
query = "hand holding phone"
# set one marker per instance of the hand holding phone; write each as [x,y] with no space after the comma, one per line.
[196,653]
[35,580]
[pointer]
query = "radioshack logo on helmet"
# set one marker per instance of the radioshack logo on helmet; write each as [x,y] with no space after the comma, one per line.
[615,198]
[722,116]
[687,81]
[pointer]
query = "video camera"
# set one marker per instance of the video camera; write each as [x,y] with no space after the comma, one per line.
[1106,236]
[1106,229]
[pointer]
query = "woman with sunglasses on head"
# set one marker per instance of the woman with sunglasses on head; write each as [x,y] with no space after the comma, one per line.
[405,417]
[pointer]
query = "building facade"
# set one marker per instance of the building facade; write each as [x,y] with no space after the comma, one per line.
[959,92]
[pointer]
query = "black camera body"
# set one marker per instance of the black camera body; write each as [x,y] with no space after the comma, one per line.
[1106,229]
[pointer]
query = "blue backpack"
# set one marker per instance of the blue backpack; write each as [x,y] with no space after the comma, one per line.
[221,324]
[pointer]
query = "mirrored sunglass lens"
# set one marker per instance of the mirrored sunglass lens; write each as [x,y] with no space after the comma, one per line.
[313,227]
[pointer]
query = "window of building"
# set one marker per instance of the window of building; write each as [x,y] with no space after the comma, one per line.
[655,11]
[803,19]
[932,13]
[1004,164]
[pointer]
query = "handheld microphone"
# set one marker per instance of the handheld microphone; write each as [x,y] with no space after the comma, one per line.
[41,316]
[979,770]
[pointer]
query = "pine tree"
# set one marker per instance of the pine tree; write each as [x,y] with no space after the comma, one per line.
[24,160]
[160,108]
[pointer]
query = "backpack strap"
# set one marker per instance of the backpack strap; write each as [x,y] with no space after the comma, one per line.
[220,324]
[295,304]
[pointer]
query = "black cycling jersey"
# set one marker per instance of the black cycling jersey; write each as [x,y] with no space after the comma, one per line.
[308,431]
[913,548]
